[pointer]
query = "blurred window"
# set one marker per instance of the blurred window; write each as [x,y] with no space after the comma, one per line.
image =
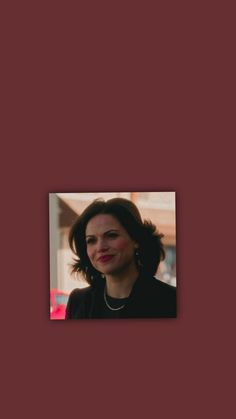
[161,200]
[170,258]
[61,299]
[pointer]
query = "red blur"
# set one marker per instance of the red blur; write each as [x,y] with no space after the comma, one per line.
[58,302]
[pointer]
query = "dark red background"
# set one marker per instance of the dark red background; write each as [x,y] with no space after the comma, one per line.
[127,96]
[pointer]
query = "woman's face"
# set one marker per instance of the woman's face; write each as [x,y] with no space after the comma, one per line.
[109,246]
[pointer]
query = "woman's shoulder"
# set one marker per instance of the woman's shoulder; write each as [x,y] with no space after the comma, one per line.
[165,295]
[155,284]
[163,290]
[79,292]
[163,286]
[160,295]
[155,289]
[76,302]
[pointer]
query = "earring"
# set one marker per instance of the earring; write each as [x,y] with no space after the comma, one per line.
[138,259]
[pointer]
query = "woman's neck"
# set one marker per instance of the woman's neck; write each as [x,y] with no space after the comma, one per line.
[120,285]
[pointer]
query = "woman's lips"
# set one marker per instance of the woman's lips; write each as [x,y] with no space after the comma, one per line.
[106,258]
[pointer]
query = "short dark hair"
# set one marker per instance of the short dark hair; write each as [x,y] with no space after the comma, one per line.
[144,233]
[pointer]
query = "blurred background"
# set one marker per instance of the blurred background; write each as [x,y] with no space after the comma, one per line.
[64,208]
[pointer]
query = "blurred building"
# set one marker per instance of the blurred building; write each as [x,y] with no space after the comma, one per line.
[64,208]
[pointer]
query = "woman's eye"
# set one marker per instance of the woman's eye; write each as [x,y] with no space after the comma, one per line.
[112,235]
[90,241]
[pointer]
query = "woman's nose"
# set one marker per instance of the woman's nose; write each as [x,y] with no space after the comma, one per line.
[102,245]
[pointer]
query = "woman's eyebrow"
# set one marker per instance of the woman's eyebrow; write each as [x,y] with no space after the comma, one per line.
[105,232]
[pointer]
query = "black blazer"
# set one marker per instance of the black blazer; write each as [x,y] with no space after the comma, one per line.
[149,298]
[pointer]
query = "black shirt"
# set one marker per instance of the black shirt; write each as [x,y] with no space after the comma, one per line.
[149,298]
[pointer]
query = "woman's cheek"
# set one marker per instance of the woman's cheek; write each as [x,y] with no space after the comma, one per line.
[122,245]
[90,253]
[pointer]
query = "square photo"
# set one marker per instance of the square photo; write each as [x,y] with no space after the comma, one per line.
[112,255]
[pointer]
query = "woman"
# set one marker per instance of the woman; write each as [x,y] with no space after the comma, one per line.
[118,255]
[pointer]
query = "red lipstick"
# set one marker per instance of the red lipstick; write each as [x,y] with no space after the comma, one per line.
[105,258]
